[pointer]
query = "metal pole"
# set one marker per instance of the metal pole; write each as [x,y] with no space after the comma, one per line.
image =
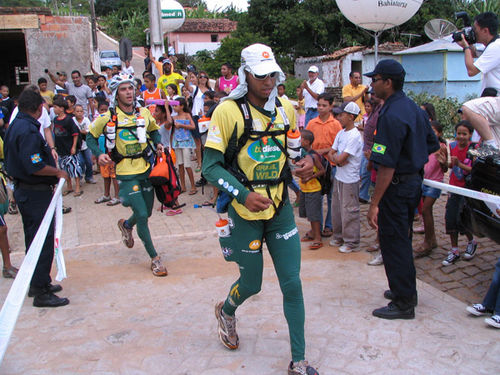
[94,26]
[157,47]
[376,46]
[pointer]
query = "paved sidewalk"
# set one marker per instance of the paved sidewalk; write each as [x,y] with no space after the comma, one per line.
[122,320]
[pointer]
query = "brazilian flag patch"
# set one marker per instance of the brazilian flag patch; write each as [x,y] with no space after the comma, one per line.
[378,148]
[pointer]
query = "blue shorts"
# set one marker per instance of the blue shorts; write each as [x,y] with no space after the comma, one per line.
[431,192]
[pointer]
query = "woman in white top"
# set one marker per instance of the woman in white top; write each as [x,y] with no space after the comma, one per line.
[196,112]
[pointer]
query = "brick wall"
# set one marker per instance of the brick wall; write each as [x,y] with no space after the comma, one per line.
[62,43]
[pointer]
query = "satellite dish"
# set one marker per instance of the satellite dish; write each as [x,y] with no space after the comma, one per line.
[437,28]
[172,15]
[378,15]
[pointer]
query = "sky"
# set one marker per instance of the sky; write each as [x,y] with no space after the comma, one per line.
[214,4]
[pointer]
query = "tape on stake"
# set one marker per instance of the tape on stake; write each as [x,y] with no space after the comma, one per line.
[14,301]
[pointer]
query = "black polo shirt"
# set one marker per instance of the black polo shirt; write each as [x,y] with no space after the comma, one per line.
[26,152]
[404,137]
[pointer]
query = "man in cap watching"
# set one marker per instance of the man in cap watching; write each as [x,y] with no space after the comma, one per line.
[310,92]
[169,76]
[259,208]
[402,143]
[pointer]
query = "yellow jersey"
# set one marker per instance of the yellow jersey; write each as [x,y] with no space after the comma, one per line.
[259,159]
[126,143]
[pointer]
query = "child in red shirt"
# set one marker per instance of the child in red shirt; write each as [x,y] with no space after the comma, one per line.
[460,166]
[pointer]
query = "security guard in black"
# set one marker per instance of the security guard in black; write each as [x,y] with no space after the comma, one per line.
[402,143]
[29,162]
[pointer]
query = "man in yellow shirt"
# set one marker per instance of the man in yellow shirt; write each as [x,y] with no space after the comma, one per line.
[260,210]
[129,131]
[168,77]
[356,92]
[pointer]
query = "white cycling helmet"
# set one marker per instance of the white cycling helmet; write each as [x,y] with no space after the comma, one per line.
[115,82]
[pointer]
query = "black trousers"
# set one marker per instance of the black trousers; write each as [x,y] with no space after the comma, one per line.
[395,220]
[32,206]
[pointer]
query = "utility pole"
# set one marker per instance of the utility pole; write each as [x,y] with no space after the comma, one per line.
[94,32]
[156,35]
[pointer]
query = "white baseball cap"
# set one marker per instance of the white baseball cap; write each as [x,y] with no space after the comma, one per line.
[313,69]
[259,59]
[351,107]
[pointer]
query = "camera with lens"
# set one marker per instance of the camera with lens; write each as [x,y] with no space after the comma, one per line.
[467,31]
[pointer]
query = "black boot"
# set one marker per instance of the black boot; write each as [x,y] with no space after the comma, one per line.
[33,291]
[49,299]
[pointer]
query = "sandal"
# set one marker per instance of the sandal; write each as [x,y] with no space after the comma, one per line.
[307,238]
[315,245]
[113,202]
[10,273]
[174,212]
[193,192]
[102,199]
[79,193]
[327,232]
[208,204]
[67,192]
[423,251]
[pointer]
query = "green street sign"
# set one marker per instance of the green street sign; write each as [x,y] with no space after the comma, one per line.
[172,13]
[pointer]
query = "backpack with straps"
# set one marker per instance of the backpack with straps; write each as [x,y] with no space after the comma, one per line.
[165,181]
[325,180]
[236,144]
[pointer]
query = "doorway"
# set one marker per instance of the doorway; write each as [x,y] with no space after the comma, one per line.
[14,62]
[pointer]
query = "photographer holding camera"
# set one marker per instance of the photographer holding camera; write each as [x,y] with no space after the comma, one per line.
[485,32]
[483,113]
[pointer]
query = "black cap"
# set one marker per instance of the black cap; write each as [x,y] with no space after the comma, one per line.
[387,67]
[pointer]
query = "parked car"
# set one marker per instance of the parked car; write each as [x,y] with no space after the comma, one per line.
[109,58]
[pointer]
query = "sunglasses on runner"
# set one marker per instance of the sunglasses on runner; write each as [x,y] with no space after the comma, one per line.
[273,75]
[203,77]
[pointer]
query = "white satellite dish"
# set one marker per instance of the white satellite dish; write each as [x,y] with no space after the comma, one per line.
[438,29]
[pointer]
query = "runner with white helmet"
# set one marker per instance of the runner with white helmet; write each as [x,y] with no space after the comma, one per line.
[131,138]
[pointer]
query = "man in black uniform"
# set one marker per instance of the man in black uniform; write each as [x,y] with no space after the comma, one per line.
[29,161]
[403,141]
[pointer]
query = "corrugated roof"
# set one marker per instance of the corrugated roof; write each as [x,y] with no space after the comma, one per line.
[387,48]
[434,46]
[207,25]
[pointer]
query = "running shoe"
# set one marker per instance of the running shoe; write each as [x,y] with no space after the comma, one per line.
[227,328]
[158,268]
[127,238]
[494,321]
[478,309]
[470,251]
[451,258]
[301,368]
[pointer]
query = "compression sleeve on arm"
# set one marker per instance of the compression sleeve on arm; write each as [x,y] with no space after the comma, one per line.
[155,137]
[93,144]
[213,171]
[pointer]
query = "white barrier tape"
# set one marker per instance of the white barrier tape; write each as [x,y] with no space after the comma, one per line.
[61,265]
[14,301]
[465,192]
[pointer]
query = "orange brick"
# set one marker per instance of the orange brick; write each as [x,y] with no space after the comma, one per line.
[54,27]
[41,18]
[44,27]
[49,19]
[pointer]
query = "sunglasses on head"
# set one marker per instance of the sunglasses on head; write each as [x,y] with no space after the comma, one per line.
[273,75]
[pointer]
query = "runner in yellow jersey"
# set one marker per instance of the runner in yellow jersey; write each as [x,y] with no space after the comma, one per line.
[131,133]
[260,209]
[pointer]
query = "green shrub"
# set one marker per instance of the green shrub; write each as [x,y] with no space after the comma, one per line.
[291,84]
[446,110]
